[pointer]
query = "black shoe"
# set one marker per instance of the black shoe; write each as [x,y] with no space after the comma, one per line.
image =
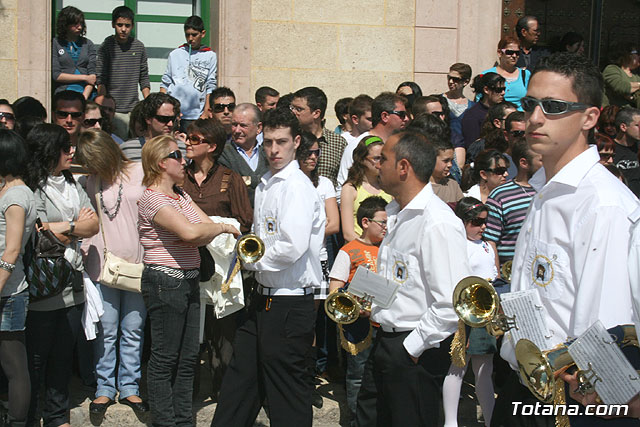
[138,407]
[99,408]
[316,399]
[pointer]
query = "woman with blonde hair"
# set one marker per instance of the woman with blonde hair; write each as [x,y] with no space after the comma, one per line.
[171,228]
[362,182]
[114,187]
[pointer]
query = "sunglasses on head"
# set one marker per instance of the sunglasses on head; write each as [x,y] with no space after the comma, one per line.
[498,171]
[64,114]
[455,79]
[401,114]
[164,119]
[219,108]
[477,222]
[510,52]
[517,133]
[92,122]
[551,107]
[8,116]
[195,140]
[176,155]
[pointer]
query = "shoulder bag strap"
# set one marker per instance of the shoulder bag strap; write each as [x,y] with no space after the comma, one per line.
[96,187]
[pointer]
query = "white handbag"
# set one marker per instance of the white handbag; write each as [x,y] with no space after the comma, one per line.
[116,272]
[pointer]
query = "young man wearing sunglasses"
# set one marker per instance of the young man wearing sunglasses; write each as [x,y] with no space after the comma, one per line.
[222,102]
[161,114]
[574,245]
[7,116]
[68,112]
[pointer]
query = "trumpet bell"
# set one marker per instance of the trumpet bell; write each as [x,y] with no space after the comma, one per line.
[475,301]
[538,368]
[250,248]
[342,307]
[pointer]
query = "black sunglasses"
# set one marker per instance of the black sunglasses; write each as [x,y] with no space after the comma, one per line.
[604,155]
[165,119]
[438,113]
[176,155]
[92,122]
[401,114]
[8,116]
[316,152]
[498,171]
[510,52]
[455,79]
[517,133]
[551,107]
[64,114]
[219,108]
[477,222]
[498,89]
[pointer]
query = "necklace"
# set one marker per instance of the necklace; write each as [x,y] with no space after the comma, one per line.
[116,208]
[522,188]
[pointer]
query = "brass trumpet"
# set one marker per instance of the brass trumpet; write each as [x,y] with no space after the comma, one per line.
[342,307]
[539,369]
[505,270]
[249,249]
[477,304]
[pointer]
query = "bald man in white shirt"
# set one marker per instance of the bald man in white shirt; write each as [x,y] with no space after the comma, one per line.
[575,243]
[424,251]
[272,344]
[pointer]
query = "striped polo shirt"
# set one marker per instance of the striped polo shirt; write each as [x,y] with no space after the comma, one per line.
[508,205]
[161,246]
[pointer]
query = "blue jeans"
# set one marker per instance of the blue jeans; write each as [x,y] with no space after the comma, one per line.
[124,314]
[174,319]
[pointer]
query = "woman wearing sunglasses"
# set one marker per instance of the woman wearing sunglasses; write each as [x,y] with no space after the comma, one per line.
[481,345]
[516,79]
[489,170]
[218,191]
[361,183]
[54,322]
[171,228]
[117,183]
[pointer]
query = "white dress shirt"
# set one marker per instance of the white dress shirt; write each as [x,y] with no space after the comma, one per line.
[574,248]
[425,251]
[289,217]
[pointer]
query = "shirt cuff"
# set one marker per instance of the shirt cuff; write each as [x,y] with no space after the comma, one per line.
[414,344]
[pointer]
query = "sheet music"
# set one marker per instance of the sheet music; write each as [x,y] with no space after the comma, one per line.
[616,381]
[527,308]
[369,285]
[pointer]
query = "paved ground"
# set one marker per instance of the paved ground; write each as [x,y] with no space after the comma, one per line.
[333,412]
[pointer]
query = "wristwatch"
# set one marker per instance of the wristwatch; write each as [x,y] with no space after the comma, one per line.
[72,226]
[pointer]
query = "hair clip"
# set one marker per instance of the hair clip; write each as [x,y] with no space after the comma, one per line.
[477,205]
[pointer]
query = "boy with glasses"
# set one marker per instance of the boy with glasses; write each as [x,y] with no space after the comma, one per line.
[191,73]
[575,243]
[356,337]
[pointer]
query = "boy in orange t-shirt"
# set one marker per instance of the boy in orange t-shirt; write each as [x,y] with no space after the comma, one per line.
[356,337]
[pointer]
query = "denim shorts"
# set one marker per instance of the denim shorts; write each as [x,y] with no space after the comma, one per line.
[13,312]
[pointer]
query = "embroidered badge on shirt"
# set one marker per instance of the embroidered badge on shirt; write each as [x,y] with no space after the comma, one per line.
[542,271]
[400,271]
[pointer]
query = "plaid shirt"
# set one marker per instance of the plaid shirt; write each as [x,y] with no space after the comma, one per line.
[331,146]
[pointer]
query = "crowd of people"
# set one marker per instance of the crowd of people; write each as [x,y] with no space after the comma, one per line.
[423,190]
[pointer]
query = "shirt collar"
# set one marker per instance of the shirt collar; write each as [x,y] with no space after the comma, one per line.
[572,173]
[255,148]
[283,173]
[418,203]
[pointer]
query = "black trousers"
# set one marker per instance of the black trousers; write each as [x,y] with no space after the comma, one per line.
[398,392]
[269,361]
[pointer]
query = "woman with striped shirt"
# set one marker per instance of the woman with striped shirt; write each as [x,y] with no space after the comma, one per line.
[171,228]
